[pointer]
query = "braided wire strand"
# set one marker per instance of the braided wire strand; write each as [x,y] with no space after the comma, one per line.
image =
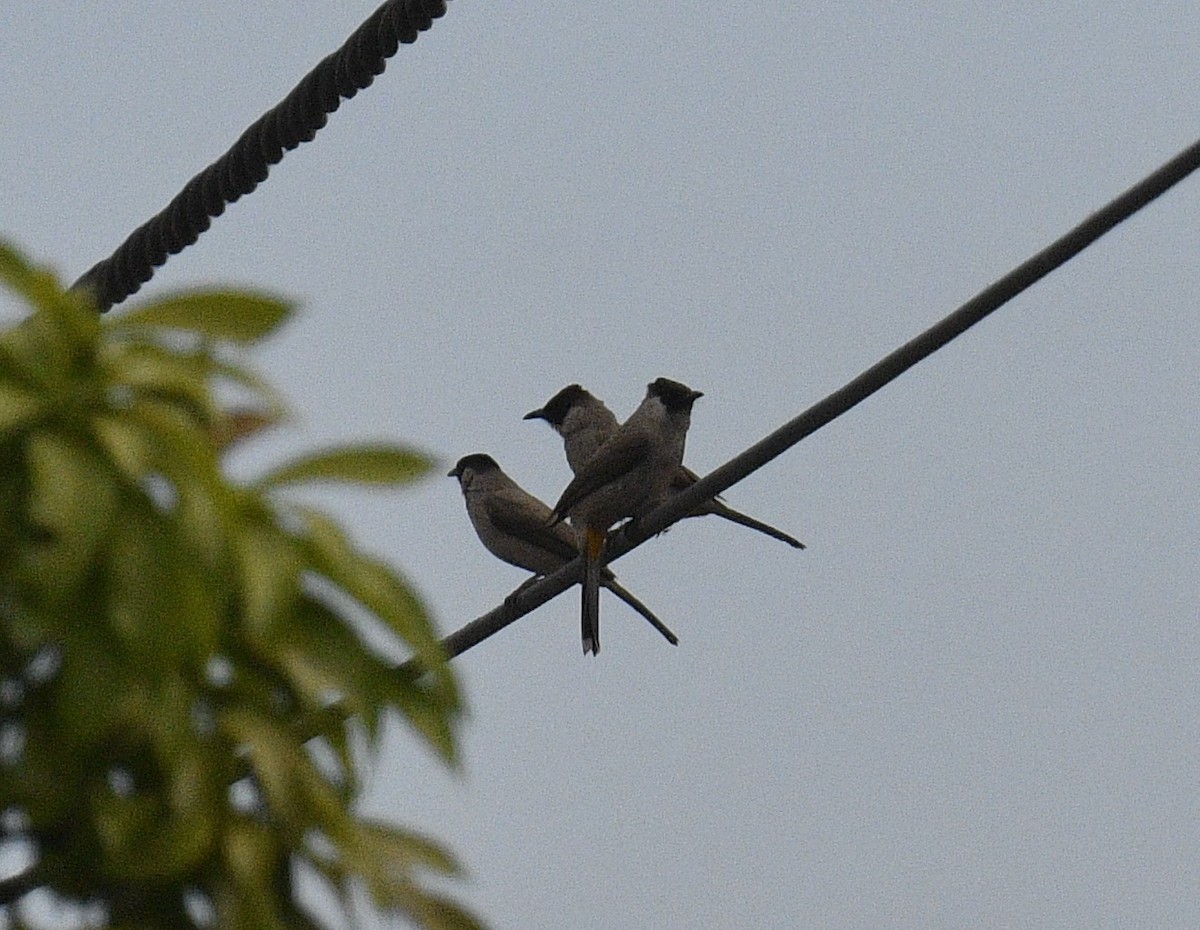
[295,119]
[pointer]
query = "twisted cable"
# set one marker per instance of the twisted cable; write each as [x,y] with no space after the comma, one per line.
[295,119]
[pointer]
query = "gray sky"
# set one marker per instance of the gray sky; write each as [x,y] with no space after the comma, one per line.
[973,700]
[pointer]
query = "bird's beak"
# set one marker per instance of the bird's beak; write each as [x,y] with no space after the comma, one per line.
[696,395]
[454,473]
[535,415]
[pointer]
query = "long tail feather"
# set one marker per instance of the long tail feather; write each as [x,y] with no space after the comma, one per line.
[721,510]
[591,593]
[628,598]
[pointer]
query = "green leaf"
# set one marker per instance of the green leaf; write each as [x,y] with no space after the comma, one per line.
[54,763]
[429,711]
[176,442]
[203,511]
[387,858]
[321,655]
[72,502]
[270,577]
[14,268]
[157,370]
[271,398]
[39,287]
[17,407]
[235,316]
[161,604]
[158,437]
[144,841]
[409,850]
[379,464]
[439,913]
[256,685]
[53,349]
[327,544]
[299,797]
[325,661]
[126,446]
[431,702]
[253,853]
[373,584]
[274,756]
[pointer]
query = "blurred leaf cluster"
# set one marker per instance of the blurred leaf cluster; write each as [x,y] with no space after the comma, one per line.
[188,686]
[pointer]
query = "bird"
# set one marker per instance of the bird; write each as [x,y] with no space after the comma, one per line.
[515,526]
[581,418]
[585,422]
[629,472]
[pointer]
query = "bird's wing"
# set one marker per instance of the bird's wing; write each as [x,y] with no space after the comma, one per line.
[528,518]
[621,454]
[684,478]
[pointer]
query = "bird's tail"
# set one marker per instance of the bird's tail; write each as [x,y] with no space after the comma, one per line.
[608,580]
[721,510]
[593,543]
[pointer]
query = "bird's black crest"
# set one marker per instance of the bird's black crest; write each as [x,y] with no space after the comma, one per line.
[478,461]
[558,406]
[674,395]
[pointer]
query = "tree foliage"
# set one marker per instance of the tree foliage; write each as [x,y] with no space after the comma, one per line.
[186,685]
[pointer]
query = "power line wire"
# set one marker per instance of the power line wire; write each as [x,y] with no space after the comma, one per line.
[840,401]
[295,119]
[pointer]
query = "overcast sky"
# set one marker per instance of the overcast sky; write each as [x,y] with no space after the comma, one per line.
[973,701]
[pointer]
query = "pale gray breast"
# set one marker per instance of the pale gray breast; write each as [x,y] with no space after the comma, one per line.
[584,430]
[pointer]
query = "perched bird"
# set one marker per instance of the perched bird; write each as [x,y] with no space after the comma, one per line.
[627,474]
[584,422]
[515,526]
